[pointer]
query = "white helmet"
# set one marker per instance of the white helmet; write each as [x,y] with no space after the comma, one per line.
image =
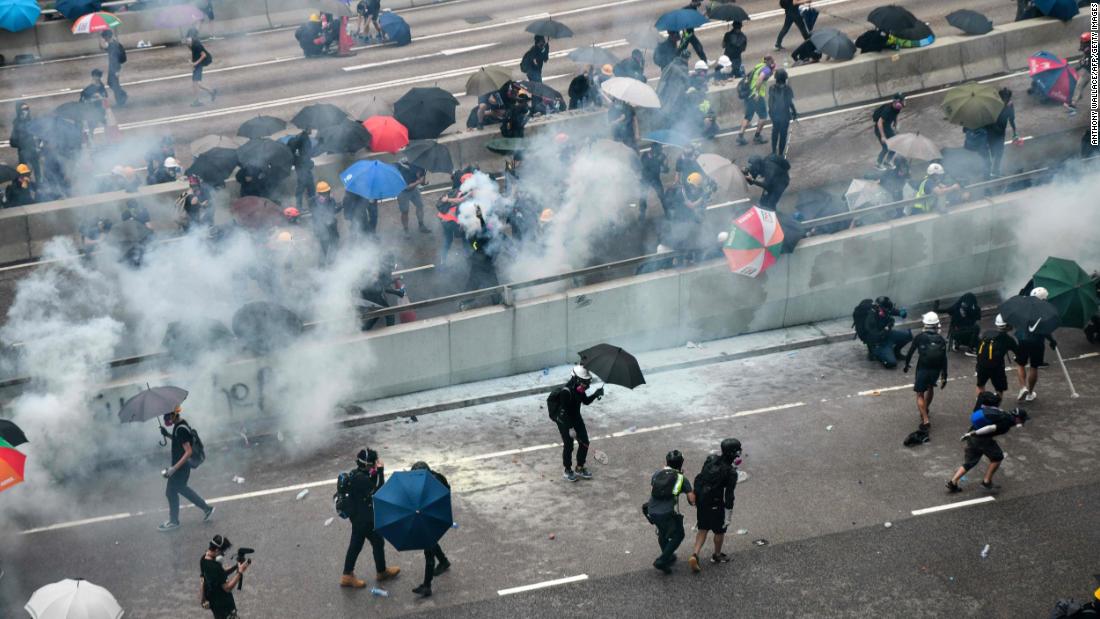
[931,319]
[172,163]
[1040,292]
[701,65]
[935,168]
[581,372]
[724,61]
[723,237]
[999,322]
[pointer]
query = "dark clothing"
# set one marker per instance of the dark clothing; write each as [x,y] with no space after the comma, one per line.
[576,424]
[114,65]
[670,533]
[361,488]
[304,186]
[889,116]
[791,16]
[483,271]
[181,436]
[434,555]
[921,342]
[621,118]
[533,60]
[159,175]
[629,67]
[515,121]
[177,485]
[578,91]
[995,375]
[965,316]
[197,51]
[733,45]
[26,143]
[978,446]
[323,210]
[361,533]
[214,577]
[780,131]
[782,110]
[712,500]
[664,53]
[689,39]
[807,52]
[93,93]
[993,348]
[775,171]
[995,134]
[18,194]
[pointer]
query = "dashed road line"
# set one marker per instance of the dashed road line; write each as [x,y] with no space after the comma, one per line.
[543,585]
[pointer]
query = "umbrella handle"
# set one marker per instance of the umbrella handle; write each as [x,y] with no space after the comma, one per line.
[1072,392]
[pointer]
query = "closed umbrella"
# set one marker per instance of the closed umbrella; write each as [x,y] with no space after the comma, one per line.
[1052,76]
[214,165]
[592,55]
[755,242]
[729,178]
[426,112]
[430,155]
[680,19]
[373,179]
[387,134]
[506,146]
[972,105]
[210,142]
[833,43]
[369,106]
[18,15]
[261,127]
[727,12]
[346,137]
[264,326]
[1058,9]
[151,404]
[1070,289]
[395,29]
[256,212]
[631,91]
[262,153]
[487,80]
[178,16]
[12,433]
[73,9]
[73,599]
[914,146]
[970,22]
[412,510]
[318,116]
[613,365]
[549,28]
[95,22]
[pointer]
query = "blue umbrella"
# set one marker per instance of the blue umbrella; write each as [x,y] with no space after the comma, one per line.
[73,9]
[412,510]
[373,179]
[397,31]
[668,138]
[16,15]
[1058,9]
[681,19]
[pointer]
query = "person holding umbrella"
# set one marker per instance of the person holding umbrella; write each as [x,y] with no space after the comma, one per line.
[564,405]
[535,58]
[116,57]
[367,477]
[435,562]
[1029,356]
[179,472]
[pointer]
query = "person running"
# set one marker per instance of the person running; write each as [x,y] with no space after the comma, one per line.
[535,58]
[993,346]
[985,423]
[1029,357]
[714,488]
[756,104]
[116,57]
[931,364]
[885,118]
[180,470]
[791,16]
[200,59]
[435,562]
[363,482]
[565,410]
[663,508]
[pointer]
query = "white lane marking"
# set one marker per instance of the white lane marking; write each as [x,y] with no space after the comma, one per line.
[83,57]
[941,508]
[544,584]
[78,523]
[446,52]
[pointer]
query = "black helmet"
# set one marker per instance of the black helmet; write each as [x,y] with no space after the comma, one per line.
[731,448]
[988,398]
[675,459]
[884,302]
[420,466]
[1021,416]
[220,543]
[366,457]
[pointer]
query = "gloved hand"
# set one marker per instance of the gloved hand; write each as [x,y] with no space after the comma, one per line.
[966,436]
[164,432]
[165,473]
[905,369]
[726,522]
[599,393]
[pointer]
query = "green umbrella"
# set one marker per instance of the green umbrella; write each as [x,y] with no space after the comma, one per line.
[972,105]
[487,79]
[506,146]
[1070,289]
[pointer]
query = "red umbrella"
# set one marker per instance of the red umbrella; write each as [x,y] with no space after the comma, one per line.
[1052,76]
[12,463]
[256,212]
[387,134]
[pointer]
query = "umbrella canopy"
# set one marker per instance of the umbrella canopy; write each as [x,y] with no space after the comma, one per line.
[426,112]
[1058,9]
[632,91]
[319,116]
[680,19]
[184,341]
[914,146]
[645,38]
[12,433]
[1030,314]
[373,179]
[215,165]
[17,15]
[613,365]
[256,212]
[540,90]
[64,134]
[727,12]
[73,9]
[1052,76]
[1070,289]
[8,173]
[264,327]
[262,153]
[151,403]
[970,22]
[395,28]
[260,126]
[12,465]
[430,155]
[549,28]
[861,194]
[892,19]
[412,510]
[80,112]
[506,146]
[386,134]
[210,142]
[833,43]
[487,79]
[729,178]
[95,22]
[592,55]
[668,137]
[370,106]
[754,243]
[972,105]
[73,599]
[346,137]
[178,16]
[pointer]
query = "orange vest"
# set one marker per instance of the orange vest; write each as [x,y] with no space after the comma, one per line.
[450,215]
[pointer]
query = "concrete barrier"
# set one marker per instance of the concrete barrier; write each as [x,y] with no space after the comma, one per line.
[853,81]
[984,55]
[1029,36]
[813,86]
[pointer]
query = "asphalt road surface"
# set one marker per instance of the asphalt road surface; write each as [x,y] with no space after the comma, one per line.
[822,430]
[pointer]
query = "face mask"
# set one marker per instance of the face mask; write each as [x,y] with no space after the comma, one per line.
[737,460]
[581,388]
[168,422]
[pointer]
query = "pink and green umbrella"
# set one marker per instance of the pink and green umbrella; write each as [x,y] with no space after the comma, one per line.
[755,242]
[95,22]
[12,463]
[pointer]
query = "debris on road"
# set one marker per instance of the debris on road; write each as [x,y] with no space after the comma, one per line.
[552,536]
[742,531]
[828,428]
[888,524]
[237,479]
[694,345]
[760,542]
[329,521]
[302,495]
[985,552]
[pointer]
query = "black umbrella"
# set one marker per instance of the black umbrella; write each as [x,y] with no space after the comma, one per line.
[728,12]
[613,364]
[970,22]
[592,55]
[12,433]
[264,327]
[892,18]
[549,28]
[264,153]
[539,89]
[430,155]
[7,173]
[80,112]
[215,165]
[916,32]
[261,127]
[184,341]
[346,137]
[425,112]
[151,403]
[64,134]
[833,43]
[1030,314]
[371,106]
[72,9]
[318,116]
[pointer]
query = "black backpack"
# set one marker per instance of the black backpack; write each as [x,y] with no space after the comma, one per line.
[859,318]
[121,54]
[744,87]
[341,499]
[711,479]
[666,484]
[198,450]
[208,59]
[934,351]
[554,405]
[988,356]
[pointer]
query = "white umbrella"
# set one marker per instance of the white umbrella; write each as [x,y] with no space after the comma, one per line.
[914,146]
[725,174]
[862,193]
[73,599]
[630,90]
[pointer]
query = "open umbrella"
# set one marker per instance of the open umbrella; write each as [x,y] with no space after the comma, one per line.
[972,105]
[506,146]
[632,91]
[1070,289]
[210,142]
[1037,317]
[369,106]
[680,19]
[644,38]
[668,137]
[214,165]
[833,43]
[63,134]
[543,95]
[487,79]
[264,327]
[1052,76]
[426,112]
[7,173]
[892,19]
[914,146]
[79,112]
[95,22]
[613,365]
[73,9]
[256,212]
[12,433]
[373,179]
[395,28]
[549,28]
[387,135]
[970,22]
[17,15]
[1058,9]
[318,116]
[151,404]
[178,16]
[592,55]
[73,599]
[186,340]
[861,194]
[262,153]
[12,466]
[755,242]
[727,12]
[430,155]
[346,137]
[412,510]
[261,127]
[729,178]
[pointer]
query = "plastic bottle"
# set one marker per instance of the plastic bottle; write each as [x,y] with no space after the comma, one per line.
[985,551]
[379,593]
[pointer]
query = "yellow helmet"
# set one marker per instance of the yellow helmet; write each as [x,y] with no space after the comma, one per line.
[695,179]
[546,216]
[284,237]
[315,17]
[322,187]
[23,168]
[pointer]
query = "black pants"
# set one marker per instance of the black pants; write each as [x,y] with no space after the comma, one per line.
[305,186]
[670,533]
[432,556]
[885,155]
[177,485]
[791,16]
[576,424]
[996,152]
[534,75]
[780,126]
[328,235]
[116,87]
[363,531]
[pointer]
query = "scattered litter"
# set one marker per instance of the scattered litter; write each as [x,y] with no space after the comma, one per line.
[237,479]
[545,371]
[1021,458]
[413,418]
[828,428]
[951,578]
[888,524]
[329,521]
[379,593]
[760,542]
[742,476]
[742,531]
[302,495]
[985,552]
[691,344]
[552,536]
[627,552]
[632,429]
[116,542]
[454,525]
[792,353]
[876,393]
[876,454]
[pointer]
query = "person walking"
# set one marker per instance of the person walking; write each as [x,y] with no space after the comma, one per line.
[367,477]
[23,139]
[200,59]
[995,132]
[781,106]
[414,176]
[756,103]
[714,495]
[179,472]
[564,405]
[791,17]
[931,365]
[734,43]
[986,423]
[301,148]
[654,163]
[435,562]
[663,508]
[116,57]
[216,583]
[447,212]
[885,119]
[993,346]
[535,58]
[1029,357]
[323,209]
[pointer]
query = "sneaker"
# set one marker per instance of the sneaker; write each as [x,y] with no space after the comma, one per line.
[349,580]
[758,139]
[441,567]
[1023,394]
[720,558]
[168,526]
[388,573]
[424,591]
[583,473]
[694,563]
[924,426]
[970,353]
[424,229]
[990,487]
[569,475]
[880,167]
[1031,395]
[207,514]
[779,47]
[667,569]
[952,487]
[741,141]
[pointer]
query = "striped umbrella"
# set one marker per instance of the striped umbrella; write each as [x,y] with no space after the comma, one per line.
[95,22]
[12,463]
[1052,76]
[755,242]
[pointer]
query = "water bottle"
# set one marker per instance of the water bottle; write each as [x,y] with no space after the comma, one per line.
[985,551]
[379,593]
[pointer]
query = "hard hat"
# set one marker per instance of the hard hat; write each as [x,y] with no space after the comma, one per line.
[561,138]
[284,237]
[675,459]
[695,179]
[291,213]
[322,187]
[931,319]
[465,177]
[701,65]
[581,372]
[314,17]
[607,70]
[1096,594]
[1040,292]
[23,168]
[999,322]
[934,169]
[1086,37]
[546,216]
[725,62]
[723,237]
[171,162]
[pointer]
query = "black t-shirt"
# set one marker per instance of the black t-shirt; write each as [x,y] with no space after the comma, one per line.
[685,166]
[93,93]
[181,435]
[889,115]
[215,577]
[114,56]
[993,347]
[362,486]
[410,172]
[197,50]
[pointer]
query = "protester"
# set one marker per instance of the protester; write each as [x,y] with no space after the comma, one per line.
[414,176]
[663,508]
[935,186]
[724,70]
[23,190]
[883,341]
[200,59]
[301,148]
[734,43]
[116,57]
[516,114]
[435,562]
[996,132]
[376,291]
[687,37]
[623,122]
[806,53]
[368,11]
[157,171]
[564,404]
[896,180]
[772,174]
[447,212]
[179,471]
[756,102]
[781,105]
[323,209]
[94,94]
[791,16]
[993,346]
[535,58]
[482,260]
[197,206]
[985,423]
[216,582]
[687,162]
[632,66]
[1026,9]
[23,139]
[965,315]
[361,214]
[310,36]
[654,163]
[1029,357]
[363,481]
[885,118]
[714,495]
[667,50]
[931,365]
